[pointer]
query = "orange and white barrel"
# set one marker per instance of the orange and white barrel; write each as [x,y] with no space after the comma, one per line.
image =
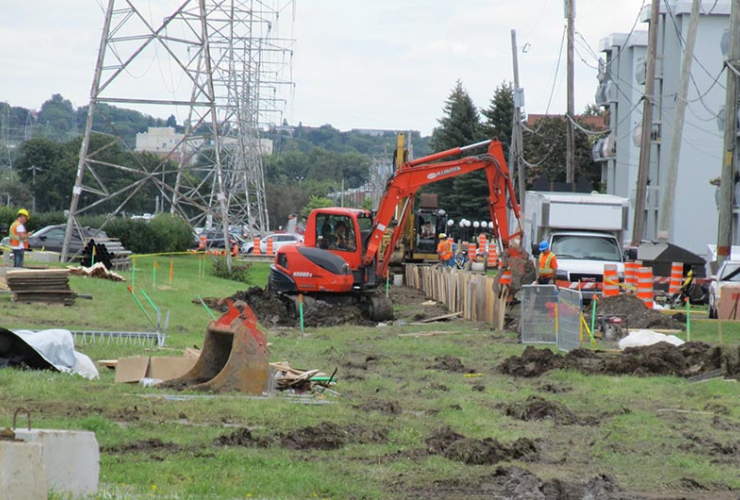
[256,249]
[270,246]
[674,285]
[492,260]
[630,272]
[505,278]
[471,251]
[610,286]
[481,243]
[645,286]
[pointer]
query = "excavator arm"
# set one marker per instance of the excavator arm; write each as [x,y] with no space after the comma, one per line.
[415,174]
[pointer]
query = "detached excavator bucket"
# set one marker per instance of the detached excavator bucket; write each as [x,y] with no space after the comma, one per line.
[234,355]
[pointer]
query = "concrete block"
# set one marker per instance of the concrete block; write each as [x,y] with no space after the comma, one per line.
[22,471]
[43,257]
[71,459]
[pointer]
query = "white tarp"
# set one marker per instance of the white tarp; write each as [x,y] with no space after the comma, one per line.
[639,338]
[57,347]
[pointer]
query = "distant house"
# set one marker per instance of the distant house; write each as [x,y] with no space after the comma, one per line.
[165,142]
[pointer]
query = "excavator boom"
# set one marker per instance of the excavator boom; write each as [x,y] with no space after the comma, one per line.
[415,174]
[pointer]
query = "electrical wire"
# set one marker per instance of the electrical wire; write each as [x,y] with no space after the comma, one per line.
[557,68]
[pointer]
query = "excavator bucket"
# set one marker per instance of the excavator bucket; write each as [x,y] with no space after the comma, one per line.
[234,355]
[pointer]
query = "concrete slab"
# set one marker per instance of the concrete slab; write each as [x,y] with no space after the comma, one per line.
[71,459]
[22,471]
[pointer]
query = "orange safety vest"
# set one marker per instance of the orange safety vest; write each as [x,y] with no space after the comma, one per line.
[444,249]
[15,238]
[545,270]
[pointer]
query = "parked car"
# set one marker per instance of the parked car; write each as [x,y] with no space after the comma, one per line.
[278,240]
[214,239]
[729,272]
[51,238]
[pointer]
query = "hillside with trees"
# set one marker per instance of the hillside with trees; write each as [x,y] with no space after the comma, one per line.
[39,154]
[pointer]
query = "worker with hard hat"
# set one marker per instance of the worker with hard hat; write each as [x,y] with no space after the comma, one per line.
[444,249]
[548,265]
[19,237]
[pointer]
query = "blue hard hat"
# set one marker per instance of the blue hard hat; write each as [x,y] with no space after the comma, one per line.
[544,246]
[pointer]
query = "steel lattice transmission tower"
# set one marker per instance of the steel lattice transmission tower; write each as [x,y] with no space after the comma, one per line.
[220,65]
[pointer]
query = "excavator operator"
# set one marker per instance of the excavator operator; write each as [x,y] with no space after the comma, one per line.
[548,265]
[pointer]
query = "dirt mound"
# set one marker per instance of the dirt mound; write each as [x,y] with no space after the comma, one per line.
[537,408]
[470,451]
[324,436]
[449,363]
[532,363]
[271,310]
[691,358]
[638,316]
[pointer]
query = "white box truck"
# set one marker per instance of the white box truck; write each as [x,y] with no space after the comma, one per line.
[585,231]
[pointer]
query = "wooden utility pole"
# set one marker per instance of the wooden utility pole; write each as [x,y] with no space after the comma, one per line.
[727,178]
[638,229]
[515,148]
[666,203]
[570,153]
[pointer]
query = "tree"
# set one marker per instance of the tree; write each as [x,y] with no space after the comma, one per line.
[315,202]
[546,149]
[465,195]
[57,117]
[500,116]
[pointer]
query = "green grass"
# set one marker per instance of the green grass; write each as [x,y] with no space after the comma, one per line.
[650,433]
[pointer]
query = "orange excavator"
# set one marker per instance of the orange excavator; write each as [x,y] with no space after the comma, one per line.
[339,260]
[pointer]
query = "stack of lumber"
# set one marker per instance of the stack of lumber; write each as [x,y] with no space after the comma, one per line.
[98,270]
[291,378]
[50,286]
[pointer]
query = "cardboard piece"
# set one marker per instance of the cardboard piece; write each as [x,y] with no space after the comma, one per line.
[156,367]
[729,302]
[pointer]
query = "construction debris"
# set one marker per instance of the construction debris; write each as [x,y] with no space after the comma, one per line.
[289,378]
[98,270]
[50,286]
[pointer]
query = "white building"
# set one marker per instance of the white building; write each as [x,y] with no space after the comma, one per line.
[164,140]
[622,84]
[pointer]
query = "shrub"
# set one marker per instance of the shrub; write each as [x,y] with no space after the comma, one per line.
[239,270]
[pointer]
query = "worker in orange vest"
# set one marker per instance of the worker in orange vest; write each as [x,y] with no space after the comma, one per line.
[19,237]
[444,249]
[548,265]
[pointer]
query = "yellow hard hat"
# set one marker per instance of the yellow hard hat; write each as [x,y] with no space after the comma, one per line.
[442,235]
[23,211]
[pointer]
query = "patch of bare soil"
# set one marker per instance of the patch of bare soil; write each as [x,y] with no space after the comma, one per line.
[638,316]
[449,363]
[385,407]
[537,408]
[324,436]
[470,451]
[145,446]
[689,359]
[410,304]
[514,483]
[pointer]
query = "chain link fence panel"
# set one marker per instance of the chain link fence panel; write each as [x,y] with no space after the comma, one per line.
[569,324]
[538,304]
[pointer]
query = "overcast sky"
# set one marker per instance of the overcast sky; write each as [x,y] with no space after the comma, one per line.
[386,64]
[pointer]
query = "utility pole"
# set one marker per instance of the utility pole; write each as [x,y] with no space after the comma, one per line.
[727,178]
[515,148]
[638,229]
[666,202]
[570,153]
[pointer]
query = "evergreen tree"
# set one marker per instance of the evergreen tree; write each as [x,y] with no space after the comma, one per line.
[460,196]
[499,117]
